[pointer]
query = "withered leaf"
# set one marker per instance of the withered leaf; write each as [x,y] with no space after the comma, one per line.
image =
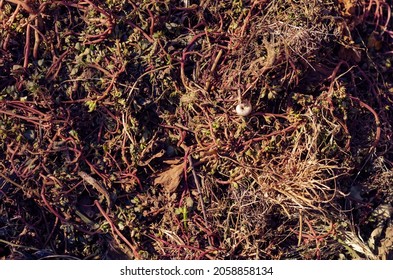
[170,177]
[157,155]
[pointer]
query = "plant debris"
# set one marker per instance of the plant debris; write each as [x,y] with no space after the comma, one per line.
[171,177]
[119,137]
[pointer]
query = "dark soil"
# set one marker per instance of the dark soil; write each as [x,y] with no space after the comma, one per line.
[120,139]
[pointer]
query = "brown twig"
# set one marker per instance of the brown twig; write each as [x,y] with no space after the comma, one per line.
[91,181]
[115,231]
[200,197]
[23,4]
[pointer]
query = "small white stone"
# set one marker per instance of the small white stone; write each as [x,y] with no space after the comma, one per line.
[244,109]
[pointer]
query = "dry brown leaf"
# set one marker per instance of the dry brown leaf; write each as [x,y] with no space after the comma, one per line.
[170,178]
[147,161]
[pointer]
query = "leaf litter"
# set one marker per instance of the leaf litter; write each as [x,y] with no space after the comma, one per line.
[99,111]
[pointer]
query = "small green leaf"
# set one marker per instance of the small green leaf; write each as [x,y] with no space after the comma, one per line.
[92,105]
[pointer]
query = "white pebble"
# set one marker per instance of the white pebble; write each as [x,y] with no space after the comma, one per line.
[243,109]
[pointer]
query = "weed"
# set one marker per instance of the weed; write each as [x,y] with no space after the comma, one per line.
[119,136]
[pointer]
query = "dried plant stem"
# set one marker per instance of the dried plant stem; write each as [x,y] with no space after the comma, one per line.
[27,47]
[198,188]
[23,4]
[115,231]
[90,180]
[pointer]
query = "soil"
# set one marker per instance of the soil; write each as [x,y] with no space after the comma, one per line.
[119,136]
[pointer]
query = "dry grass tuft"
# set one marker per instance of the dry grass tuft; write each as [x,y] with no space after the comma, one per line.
[119,137]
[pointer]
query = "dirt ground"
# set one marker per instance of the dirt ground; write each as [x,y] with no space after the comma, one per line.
[207,129]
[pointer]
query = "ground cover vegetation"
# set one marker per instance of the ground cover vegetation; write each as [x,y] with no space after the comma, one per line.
[119,137]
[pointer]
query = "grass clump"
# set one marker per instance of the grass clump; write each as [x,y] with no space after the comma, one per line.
[119,136]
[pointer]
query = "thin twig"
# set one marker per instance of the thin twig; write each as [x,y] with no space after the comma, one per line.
[23,4]
[199,192]
[116,231]
[91,181]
